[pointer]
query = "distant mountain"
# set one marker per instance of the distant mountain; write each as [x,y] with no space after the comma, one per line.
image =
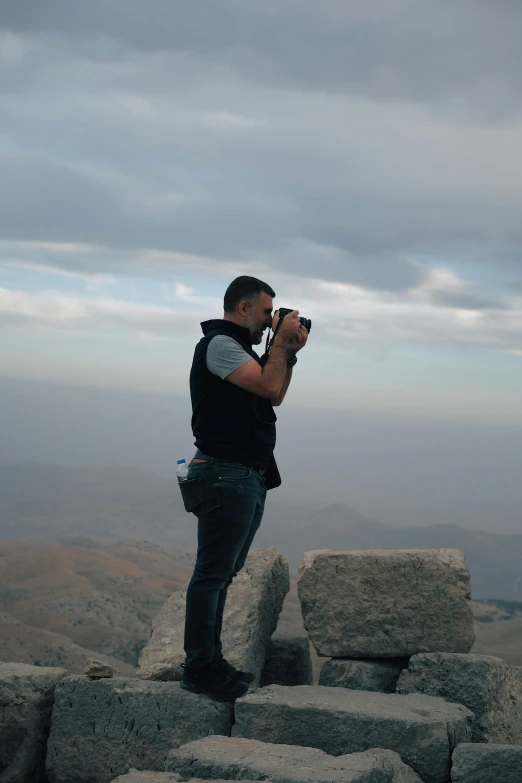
[63,602]
[46,503]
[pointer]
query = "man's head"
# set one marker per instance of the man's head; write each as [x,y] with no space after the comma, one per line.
[248,302]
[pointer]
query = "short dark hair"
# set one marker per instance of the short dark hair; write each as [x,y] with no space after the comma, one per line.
[244,287]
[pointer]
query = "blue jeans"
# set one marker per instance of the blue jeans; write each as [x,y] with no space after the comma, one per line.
[229,499]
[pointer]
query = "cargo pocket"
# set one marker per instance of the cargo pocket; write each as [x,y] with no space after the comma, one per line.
[192,494]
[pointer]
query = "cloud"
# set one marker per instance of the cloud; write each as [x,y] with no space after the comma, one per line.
[52,308]
[342,142]
[427,50]
[345,315]
[91,278]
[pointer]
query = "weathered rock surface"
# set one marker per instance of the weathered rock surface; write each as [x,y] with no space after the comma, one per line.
[363,674]
[147,777]
[487,686]
[254,603]
[103,728]
[154,777]
[162,656]
[236,759]
[289,662]
[487,764]
[26,701]
[96,669]
[423,729]
[386,603]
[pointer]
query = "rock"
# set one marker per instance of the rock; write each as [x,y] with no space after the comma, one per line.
[386,603]
[289,662]
[362,674]
[104,728]
[487,686]
[163,672]
[487,764]
[147,777]
[162,656]
[422,729]
[97,670]
[153,777]
[236,759]
[26,701]
[254,603]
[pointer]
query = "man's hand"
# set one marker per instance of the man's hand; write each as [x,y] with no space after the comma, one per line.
[289,327]
[299,341]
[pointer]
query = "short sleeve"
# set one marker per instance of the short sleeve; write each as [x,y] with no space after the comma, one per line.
[224,355]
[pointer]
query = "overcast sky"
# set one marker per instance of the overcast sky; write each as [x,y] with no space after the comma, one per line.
[363,158]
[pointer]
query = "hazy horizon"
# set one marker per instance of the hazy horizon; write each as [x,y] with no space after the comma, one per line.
[398,471]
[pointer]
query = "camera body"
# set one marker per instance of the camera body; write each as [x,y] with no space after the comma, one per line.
[306,322]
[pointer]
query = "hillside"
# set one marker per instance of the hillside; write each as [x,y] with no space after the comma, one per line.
[41,503]
[61,602]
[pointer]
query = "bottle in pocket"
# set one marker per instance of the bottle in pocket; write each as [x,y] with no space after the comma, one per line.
[181,470]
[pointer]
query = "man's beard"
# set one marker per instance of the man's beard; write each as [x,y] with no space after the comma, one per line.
[256,333]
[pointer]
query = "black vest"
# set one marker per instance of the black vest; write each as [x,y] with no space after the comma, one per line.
[227,421]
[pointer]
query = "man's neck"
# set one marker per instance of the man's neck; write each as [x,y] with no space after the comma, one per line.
[233,319]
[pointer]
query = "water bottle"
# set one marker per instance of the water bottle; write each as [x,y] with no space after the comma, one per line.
[181,470]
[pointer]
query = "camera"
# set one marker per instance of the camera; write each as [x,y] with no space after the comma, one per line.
[306,322]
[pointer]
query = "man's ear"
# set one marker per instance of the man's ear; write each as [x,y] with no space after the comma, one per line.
[243,308]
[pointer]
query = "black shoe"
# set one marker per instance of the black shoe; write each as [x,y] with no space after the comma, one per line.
[235,674]
[211,680]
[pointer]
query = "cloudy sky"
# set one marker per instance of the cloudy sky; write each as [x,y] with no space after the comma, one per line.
[363,158]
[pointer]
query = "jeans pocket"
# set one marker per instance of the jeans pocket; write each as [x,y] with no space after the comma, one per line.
[192,494]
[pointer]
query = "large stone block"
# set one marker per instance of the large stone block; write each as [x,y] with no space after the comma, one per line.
[386,603]
[147,777]
[154,777]
[289,662]
[487,764]
[104,728]
[162,656]
[236,759]
[26,701]
[422,729]
[487,686]
[362,674]
[254,603]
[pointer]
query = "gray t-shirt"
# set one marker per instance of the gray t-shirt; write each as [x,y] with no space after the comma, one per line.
[224,355]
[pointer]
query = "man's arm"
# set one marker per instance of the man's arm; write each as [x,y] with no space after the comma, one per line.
[286,383]
[297,343]
[268,381]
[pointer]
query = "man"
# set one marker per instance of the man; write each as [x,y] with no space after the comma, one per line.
[233,394]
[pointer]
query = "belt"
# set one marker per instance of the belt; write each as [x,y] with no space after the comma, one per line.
[199,455]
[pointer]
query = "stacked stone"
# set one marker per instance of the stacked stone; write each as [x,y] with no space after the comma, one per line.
[487,686]
[371,611]
[398,622]
[401,621]
[26,704]
[288,663]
